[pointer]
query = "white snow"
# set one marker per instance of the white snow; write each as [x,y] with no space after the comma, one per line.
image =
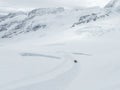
[45,60]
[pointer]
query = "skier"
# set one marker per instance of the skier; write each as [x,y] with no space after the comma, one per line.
[75,61]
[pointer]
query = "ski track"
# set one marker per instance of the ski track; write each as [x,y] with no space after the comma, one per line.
[39,55]
[82,54]
[59,81]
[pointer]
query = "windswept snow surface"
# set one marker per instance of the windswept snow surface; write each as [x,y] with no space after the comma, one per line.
[45,60]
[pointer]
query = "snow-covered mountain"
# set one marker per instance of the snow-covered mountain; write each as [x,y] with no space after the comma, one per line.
[44,11]
[114,5]
[60,49]
[20,22]
[45,18]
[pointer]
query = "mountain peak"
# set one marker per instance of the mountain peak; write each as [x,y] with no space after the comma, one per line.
[43,11]
[113,4]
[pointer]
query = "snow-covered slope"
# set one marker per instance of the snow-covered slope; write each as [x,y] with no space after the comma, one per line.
[46,19]
[114,5]
[44,44]
[47,63]
[20,22]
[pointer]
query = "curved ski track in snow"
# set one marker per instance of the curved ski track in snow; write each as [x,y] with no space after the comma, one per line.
[56,79]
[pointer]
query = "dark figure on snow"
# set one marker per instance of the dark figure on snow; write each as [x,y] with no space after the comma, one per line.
[75,61]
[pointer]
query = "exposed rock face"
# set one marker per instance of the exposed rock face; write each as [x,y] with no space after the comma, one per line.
[91,17]
[16,23]
[43,19]
[113,5]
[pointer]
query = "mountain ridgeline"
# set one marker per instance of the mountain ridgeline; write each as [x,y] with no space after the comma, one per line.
[17,23]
